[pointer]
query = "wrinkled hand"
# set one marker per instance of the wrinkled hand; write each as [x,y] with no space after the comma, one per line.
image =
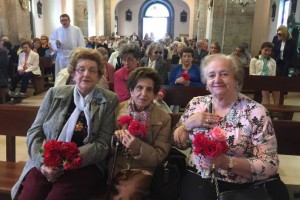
[51,173]
[129,141]
[180,137]
[202,119]
[221,161]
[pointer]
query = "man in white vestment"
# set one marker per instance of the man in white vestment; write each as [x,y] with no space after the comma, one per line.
[64,39]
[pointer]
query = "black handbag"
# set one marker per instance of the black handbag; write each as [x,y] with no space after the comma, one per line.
[193,186]
[166,180]
[257,191]
[253,193]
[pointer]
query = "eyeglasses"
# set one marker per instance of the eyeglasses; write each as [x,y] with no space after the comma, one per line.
[82,70]
[279,34]
[128,60]
[157,52]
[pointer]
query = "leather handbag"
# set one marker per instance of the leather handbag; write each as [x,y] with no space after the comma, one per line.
[255,192]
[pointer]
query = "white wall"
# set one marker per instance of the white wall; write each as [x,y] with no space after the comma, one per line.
[127,27]
[182,27]
[261,22]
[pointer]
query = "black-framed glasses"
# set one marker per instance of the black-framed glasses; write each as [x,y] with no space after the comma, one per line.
[158,52]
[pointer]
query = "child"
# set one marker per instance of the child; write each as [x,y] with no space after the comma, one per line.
[264,65]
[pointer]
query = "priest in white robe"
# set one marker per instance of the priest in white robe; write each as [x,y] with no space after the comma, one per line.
[64,39]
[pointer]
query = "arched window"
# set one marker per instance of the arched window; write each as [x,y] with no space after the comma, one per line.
[156,17]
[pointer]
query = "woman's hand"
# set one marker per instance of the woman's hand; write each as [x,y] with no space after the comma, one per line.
[221,161]
[129,141]
[51,173]
[201,119]
[179,80]
[181,136]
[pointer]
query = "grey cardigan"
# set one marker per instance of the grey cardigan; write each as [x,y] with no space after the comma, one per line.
[50,121]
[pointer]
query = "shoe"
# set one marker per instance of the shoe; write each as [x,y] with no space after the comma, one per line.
[20,95]
[11,93]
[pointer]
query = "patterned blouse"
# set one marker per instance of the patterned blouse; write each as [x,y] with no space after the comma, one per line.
[250,134]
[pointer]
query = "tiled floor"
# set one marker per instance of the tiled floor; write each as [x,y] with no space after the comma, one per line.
[289,165]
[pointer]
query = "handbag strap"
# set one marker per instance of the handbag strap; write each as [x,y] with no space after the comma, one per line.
[254,185]
[263,182]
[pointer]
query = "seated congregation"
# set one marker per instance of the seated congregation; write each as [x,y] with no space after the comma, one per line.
[108,102]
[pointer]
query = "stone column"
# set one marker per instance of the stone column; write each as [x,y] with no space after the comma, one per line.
[107,18]
[201,18]
[14,21]
[81,16]
[230,26]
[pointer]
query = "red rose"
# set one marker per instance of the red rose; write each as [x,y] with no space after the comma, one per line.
[61,154]
[53,160]
[67,166]
[69,150]
[77,162]
[125,120]
[136,128]
[208,148]
[185,75]
[200,143]
[52,145]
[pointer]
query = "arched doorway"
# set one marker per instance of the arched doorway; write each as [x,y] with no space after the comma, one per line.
[156,16]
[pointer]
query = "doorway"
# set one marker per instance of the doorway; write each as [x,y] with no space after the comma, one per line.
[156,17]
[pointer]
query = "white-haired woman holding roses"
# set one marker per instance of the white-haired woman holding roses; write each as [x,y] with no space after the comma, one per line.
[251,153]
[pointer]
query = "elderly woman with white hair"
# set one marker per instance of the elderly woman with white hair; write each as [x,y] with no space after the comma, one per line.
[251,153]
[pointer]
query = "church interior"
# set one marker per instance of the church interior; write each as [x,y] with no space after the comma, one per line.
[229,22]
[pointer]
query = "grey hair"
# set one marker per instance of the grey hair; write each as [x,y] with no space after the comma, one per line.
[153,45]
[233,63]
[130,48]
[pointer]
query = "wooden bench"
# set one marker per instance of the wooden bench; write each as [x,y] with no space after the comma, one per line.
[18,119]
[282,112]
[181,95]
[15,120]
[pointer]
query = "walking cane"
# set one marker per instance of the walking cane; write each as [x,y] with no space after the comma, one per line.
[111,175]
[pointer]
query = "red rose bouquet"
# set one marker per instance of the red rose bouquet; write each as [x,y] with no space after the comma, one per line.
[134,127]
[211,148]
[185,75]
[125,120]
[61,154]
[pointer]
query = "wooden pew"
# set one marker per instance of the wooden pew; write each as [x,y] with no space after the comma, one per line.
[272,83]
[181,95]
[15,120]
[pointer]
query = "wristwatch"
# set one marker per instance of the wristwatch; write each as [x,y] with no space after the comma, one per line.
[230,164]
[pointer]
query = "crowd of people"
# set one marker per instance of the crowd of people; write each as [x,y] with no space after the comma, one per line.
[81,109]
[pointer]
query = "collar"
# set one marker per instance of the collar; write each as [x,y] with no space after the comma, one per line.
[66,91]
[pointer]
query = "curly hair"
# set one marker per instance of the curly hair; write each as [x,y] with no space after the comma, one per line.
[82,53]
[143,73]
[232,62]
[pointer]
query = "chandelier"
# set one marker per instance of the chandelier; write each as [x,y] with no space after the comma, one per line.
[243,3]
